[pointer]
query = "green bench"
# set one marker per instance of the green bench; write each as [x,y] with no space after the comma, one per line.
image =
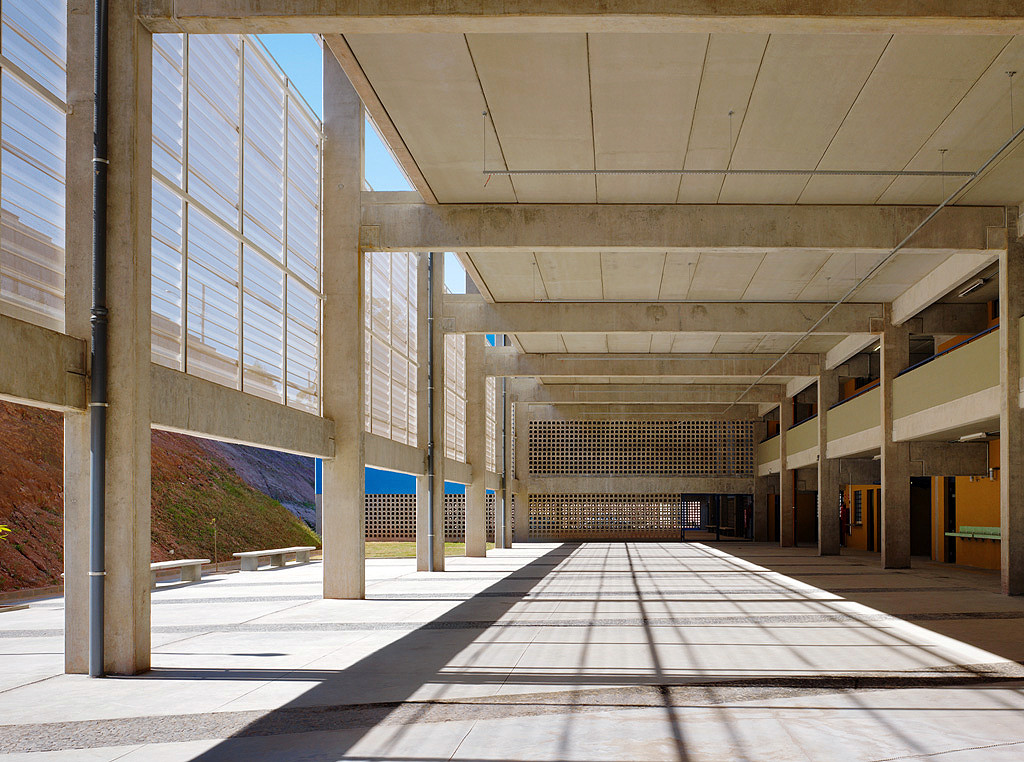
[976,533]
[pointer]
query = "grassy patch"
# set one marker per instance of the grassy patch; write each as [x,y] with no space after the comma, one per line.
[408,549]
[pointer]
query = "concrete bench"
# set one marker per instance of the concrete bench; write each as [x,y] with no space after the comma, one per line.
[977,533]
[191,568]
[251,558]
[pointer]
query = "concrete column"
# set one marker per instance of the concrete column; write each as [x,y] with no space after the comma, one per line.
[77,301]
[787,479]
[507,466]
[828,470]
[522,529]
[127,581]
[476,446]
[1011,427]
[895,356]
[761,508]
[422,417]
[344,507]
[438,403]
[760,492]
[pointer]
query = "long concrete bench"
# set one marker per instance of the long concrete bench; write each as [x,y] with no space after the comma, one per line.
[191,568]
[251,558]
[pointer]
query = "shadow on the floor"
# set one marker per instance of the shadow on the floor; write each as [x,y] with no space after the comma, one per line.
[376,686]
[958,603]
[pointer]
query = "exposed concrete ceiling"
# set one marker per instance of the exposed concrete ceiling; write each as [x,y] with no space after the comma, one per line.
[631,101]
[620,101]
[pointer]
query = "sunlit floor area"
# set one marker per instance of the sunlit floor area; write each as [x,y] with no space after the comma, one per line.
[592,651]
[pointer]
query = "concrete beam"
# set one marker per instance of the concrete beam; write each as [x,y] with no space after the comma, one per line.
[673,227]
[798,384]
[43,368]
[859,471]
[724,485]
[697,16]
[940,281]
[637,394]
[508,361]
[682,411]
[394,456]
[848,347]
[192,405]
[949,459]
[470,313]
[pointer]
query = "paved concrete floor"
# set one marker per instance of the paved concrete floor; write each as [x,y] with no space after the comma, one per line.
[596,651]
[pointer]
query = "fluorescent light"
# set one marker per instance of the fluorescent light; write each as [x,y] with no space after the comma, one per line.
[974,285]
[972,437]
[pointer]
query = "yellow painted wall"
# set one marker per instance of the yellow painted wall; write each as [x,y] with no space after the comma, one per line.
[857,537]
[977,505]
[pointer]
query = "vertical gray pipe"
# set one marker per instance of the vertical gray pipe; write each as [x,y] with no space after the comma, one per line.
[500,519]
[430,412]
[98,389]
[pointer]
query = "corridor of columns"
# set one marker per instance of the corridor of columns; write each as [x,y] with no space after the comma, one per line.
[544,652]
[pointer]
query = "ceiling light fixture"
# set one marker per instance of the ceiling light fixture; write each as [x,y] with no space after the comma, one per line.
[972,437]
[974,285]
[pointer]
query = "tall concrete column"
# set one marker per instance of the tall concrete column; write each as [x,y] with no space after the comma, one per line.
[828,470]
[344,507]
[77,300]
[476,446]
[522,495]
[127,604]
[507,466]
[760,495]
[1011,427]
[787,479]
[895,356]
[423,325]
[437,396]
[761,508]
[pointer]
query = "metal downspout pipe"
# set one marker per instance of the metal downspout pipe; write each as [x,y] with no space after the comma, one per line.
[98,319]
[430,412]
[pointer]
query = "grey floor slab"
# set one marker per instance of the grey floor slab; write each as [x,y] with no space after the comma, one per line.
[578,651]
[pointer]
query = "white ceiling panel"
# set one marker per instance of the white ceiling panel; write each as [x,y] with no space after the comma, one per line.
[917,83]
[538,94]
[510,277]
[644,90]
[730,69]
[723,276]
[571,274]
[805,87]
[632,275]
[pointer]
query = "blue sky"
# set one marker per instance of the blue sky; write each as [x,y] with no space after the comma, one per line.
[300,56]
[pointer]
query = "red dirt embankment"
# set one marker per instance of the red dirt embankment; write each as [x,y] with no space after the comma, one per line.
[193,484]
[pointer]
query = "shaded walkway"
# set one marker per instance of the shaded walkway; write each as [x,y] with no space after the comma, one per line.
[633,651]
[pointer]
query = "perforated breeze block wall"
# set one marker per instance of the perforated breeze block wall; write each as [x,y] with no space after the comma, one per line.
[630,449]
[641,448]
[618,517]
[393,517]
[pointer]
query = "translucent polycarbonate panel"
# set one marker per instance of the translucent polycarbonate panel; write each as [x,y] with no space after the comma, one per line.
[263,151]
[32,201]
[490,403]
[302,347]
[34,39]
[237,155]
[262,326]
[390,307]
[167,276]
[303,194]
[169,106]
[214,96]
[213,300]
[455,397]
